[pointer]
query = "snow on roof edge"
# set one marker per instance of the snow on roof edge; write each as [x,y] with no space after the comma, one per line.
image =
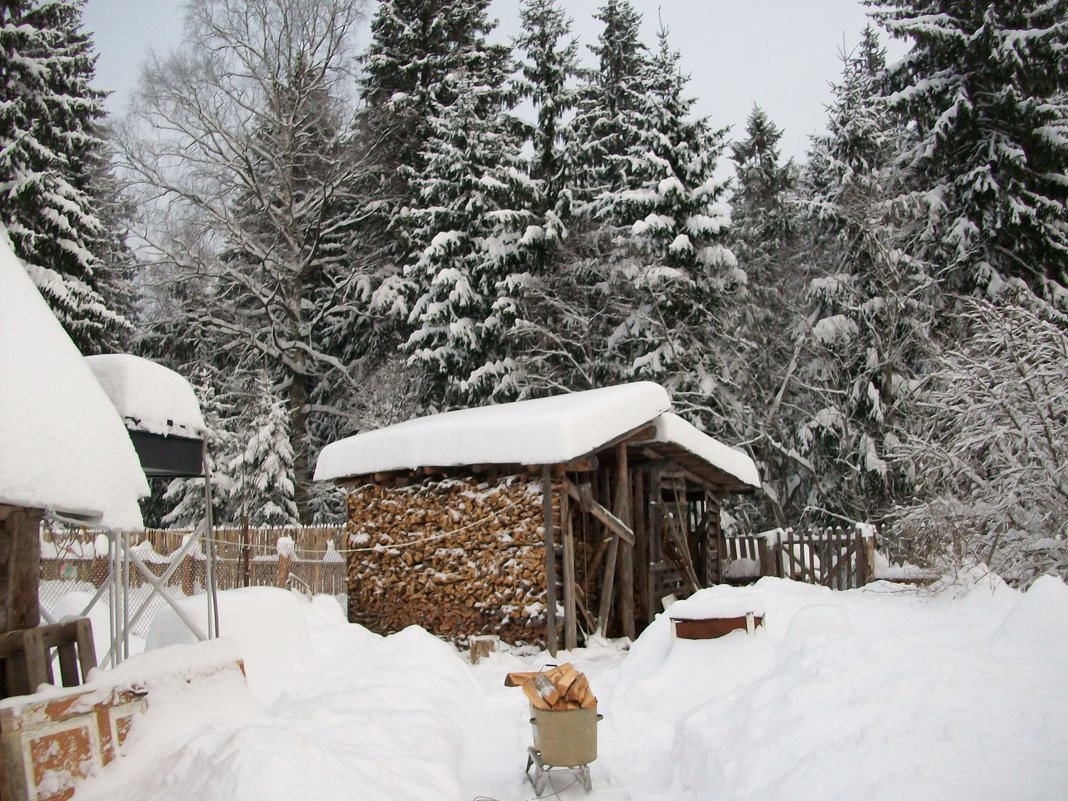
[672,429]
[148,396]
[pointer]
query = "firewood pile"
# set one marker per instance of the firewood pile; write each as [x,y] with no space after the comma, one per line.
[455,557]
[556,689]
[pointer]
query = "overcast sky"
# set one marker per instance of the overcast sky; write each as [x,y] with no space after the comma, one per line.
[779,54]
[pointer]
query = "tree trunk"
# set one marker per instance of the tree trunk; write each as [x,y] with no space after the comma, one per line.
[298,436]
[20,559]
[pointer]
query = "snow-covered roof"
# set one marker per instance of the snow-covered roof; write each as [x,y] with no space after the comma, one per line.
[148,396]
[542,431]
[63,447]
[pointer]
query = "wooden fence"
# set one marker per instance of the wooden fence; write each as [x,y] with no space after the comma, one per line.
[832,557]
[245,557]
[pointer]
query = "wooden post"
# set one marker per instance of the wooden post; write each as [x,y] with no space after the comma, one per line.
[246,550]
[570,621]
[641,546]
[284,562]
[20,564]
[626,561]
[550,560]
[764,556]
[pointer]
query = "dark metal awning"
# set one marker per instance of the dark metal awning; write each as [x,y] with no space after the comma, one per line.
[169,456]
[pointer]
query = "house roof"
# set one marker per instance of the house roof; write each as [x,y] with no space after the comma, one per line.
[63,446]
[551,430]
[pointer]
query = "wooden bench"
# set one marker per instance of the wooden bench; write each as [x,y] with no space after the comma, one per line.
[26,656]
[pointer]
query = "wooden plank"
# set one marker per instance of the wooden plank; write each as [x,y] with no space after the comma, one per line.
[83,636]
[68,664]
[38,666]
[626,556]
[583,495]
[641,545]
[570,621]
[550,560]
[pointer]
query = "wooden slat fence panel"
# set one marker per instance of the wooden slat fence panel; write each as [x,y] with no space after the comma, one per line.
[309,567]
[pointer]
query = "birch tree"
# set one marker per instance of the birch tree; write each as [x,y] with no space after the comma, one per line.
[242,157]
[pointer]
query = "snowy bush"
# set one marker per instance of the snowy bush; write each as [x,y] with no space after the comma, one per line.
[990,456]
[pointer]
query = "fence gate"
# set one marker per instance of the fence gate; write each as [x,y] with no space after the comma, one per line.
[831,557]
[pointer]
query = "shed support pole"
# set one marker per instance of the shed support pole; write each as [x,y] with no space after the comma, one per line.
[624,511]
[570,611]
[550,561]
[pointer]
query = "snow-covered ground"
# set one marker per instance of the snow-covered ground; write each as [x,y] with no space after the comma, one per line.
[882,693]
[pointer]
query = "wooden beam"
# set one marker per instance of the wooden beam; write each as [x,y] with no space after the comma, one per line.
[605,606]
[640,524]
[583,494]
[20,567]
[570,621]
[626,551]
[550,561]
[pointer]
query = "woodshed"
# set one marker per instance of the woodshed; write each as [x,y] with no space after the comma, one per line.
[540,521]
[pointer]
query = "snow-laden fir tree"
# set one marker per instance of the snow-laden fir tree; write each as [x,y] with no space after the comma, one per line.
[669,258]
[415,46]
[762,222]
[185,496]
[474,235]
[575,307]
[985,87]
[548,67]
[262,470]
[51,154]
[863,330]
[609,118]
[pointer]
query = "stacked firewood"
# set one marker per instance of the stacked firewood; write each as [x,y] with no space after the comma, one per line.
[556,689]
[454,557]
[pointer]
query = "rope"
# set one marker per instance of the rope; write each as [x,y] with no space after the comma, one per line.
[380,548]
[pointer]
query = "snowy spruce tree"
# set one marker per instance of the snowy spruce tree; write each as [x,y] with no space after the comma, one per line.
[985,86]
[609,118]
[763,221]
[51,157]
[864,328]
[415,46]
[576,306]
[671,221]
[548,67]
[473,235]
[185,496]
[262,470]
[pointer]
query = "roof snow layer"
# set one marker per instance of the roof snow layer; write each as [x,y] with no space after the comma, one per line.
[149,396]
[63,446]
[541,431]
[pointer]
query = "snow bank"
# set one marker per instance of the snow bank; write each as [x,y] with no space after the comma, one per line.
[65,448]
[268,624]
[1038,620]
[542,431]
[149,396]
[366,717]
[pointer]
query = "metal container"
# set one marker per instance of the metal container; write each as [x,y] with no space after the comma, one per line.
[708,628]
[565,738]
